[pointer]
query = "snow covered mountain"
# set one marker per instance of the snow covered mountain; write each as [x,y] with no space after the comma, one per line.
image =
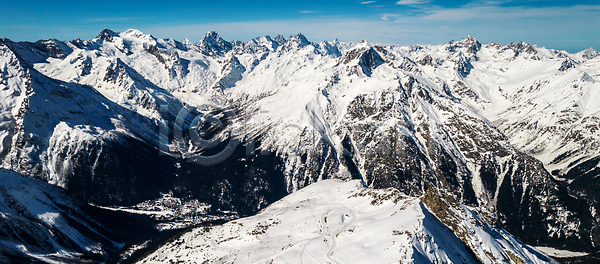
[333,221]
[119,119]
[40,223]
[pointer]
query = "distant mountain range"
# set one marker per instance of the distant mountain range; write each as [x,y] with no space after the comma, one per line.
[175,134]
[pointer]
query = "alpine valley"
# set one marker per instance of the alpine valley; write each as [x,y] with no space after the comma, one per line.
[127,148]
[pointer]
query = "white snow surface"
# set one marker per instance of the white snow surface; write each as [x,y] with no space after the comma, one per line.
[544,111]
[333,221]
[523,89]
[295,81]
[34,210]
[560,253]
[301,91]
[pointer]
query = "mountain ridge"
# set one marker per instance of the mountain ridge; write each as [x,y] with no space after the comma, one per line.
[448,116]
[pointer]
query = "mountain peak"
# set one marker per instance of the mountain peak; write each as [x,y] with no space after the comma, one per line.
[213,44]
[279,39]
[590,53]
[468,38]
[521,47]
[262,39]
[106,34]
[211,35]
[568,63]
[133,32]
[296,42]
[472,44]
[300,39]
[368,58]
[264,42]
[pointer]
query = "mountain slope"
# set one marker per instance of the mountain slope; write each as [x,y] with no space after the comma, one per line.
[40,223]
[342,222]
[70,135]
[107,152]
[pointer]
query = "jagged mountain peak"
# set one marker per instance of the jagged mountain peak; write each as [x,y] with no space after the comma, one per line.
[264,41]
[212,44]
[279,39]
[330,48]
[186,42]
[211,34]
[469,41]
[589,53]
[524,50]
[357,51]
[521,47]
[134,35]
[297,41]
[469,38]
[133,32]
[567,64]
[170,44]
[212,37]
[106,34]
[367,58]
[472,44]
[53,48]
[262,38]
[494,45]
[298,36]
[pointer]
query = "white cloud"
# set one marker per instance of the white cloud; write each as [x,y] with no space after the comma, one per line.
[502,13]
[386,17]
[367,2]
[307,12]
[412,2]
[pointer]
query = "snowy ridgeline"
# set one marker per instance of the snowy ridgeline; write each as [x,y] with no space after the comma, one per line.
[485,123]
[342,222]
[522,89]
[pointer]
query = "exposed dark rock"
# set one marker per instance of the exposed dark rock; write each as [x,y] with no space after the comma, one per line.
[106,34]
[212,44]
[568,64]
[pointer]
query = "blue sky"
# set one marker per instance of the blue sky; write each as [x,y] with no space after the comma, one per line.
[569,25]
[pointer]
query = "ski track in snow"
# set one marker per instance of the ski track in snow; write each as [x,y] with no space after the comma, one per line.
[332,221]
